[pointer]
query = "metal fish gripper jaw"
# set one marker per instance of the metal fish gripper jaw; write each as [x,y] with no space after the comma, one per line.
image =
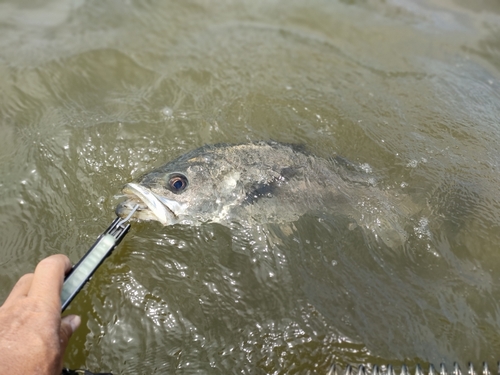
[404,370]
[102,248]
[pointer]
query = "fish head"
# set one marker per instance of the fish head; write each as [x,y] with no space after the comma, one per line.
[197,187]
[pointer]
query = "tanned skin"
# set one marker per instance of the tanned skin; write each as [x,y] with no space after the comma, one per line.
[33,335]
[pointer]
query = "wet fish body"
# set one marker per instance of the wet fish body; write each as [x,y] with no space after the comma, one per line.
[261,182]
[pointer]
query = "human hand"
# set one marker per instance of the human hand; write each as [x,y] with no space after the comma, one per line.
[33,337]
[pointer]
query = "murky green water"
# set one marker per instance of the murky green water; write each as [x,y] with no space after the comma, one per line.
[94,93]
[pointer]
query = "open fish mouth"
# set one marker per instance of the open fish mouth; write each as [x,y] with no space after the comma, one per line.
[151,205]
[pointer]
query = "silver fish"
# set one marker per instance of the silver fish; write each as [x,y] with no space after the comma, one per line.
[264,182]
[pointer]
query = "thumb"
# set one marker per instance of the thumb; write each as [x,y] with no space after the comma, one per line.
[69,324]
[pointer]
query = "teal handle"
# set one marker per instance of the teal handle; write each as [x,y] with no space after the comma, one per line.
[82,271]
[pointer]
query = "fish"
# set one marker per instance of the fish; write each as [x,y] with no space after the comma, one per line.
[261,182]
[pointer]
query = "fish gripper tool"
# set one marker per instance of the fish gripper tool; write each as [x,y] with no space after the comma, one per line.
[95,256]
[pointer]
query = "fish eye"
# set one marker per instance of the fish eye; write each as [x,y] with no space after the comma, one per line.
[177,183]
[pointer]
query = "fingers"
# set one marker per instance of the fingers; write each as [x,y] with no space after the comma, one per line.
[48,278]
[69,325]
[21,288]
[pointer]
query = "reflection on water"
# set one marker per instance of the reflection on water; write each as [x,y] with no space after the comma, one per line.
[96,93]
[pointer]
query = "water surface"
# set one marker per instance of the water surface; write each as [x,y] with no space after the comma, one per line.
[96,93]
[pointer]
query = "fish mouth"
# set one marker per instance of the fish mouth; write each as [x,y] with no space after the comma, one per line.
[151,205]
